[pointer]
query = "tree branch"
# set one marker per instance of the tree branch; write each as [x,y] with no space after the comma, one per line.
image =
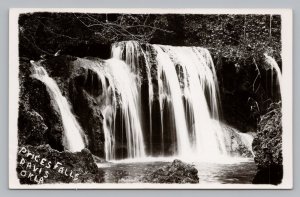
[258,75]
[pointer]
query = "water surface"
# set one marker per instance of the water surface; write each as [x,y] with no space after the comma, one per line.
[241,172]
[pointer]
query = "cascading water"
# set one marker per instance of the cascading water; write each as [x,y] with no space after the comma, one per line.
[235,139]
[131,51]
[166,68]
[198,77]
[274,67]
[155,100]
[159,101]
[189,98]
[73,134]
[247,140]
[120,91]
[126,87]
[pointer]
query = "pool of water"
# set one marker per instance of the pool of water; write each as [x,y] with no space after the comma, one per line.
[242,171]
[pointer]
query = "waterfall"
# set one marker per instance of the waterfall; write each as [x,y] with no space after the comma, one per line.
[73,134]
[188,96]
[274,67]
[166,68]
[126,86]
[156,100]
[120,107]
[132,52]
[198,78]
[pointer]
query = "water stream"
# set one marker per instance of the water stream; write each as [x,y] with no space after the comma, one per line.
[73,133]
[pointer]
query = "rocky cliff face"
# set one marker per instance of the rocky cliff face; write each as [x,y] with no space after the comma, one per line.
[267,147]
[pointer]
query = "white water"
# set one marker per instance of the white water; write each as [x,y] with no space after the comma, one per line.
[166,68]
[218,160]
[247,140]
[108,135]
[191,98]
[234,138]
[274,67]
[127,88]
[207,134]
[119,88]
[199,88]
[132,51]
[73,134]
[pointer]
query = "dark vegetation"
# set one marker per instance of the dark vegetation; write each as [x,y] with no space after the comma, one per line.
[237,37]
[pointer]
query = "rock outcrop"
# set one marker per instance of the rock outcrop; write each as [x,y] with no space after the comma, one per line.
[176,172]
[42,164]
[267,147]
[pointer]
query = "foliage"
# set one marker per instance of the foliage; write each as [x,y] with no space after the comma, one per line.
[124,26]
[238,37]
[46,33]
[267,145]
[234,36]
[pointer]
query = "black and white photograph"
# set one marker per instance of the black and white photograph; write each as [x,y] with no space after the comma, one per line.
[150,98]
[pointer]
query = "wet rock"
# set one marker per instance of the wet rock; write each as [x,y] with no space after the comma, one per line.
[42,164]
[176,172]
[86,107]
[267,147]
[237,143]
[239,149]
[244,151]
[99,159]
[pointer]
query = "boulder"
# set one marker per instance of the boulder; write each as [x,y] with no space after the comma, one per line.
[176,172]
[42,164]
